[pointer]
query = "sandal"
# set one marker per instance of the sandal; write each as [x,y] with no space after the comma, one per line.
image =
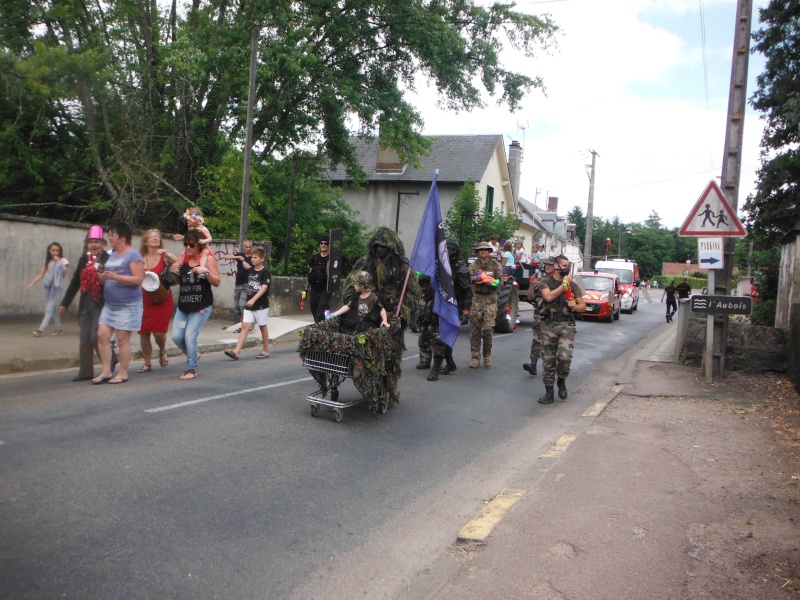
[145,369]
[163,360]
[189,374]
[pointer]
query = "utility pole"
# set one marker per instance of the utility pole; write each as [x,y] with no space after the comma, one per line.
[731,171]
[587,243]
[248,144]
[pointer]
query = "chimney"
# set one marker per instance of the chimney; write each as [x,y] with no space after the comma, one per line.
[388,161]
[514,167]
[552,204]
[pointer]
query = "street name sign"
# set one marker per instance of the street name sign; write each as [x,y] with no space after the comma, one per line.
[709,251]
[723,305]
[712,216]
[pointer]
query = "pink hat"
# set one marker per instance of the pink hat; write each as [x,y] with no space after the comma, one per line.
[96,233]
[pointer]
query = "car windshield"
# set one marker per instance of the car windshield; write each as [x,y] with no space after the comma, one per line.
[625,275]
[598,284]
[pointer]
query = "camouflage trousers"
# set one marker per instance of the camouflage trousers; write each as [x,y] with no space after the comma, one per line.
[482,315]
[536,343]
[558,341]
[425,342]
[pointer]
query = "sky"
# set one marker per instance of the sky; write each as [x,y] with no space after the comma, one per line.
[626,81]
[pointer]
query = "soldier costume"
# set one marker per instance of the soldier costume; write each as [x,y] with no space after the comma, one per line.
[538,311]
[463,289]
[319,296]
[557,331]
[484,304]
[427,332]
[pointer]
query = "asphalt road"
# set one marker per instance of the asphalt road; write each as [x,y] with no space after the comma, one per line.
[226,487]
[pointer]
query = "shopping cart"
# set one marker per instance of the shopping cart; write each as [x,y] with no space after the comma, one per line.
[330,369]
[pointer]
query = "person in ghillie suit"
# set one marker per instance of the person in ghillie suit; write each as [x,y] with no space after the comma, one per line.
[386,262]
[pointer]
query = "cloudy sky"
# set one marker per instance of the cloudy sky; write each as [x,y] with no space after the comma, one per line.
[627,81]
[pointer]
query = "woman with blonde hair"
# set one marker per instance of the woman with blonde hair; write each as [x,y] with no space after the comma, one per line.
[156,313]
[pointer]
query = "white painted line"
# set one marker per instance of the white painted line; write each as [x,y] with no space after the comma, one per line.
[228,395]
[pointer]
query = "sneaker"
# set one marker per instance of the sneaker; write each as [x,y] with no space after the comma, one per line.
[37,333]
[58,332]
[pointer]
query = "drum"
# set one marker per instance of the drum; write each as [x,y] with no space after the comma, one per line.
[152,284]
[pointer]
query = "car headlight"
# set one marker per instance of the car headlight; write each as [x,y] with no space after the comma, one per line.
[627,295]
[604,298]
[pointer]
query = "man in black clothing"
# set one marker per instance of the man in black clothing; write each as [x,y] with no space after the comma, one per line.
[243,266]
[684,289]
[319,298]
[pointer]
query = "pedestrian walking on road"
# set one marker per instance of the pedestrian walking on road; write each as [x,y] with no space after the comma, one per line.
[243,265]
[256,307]
[122,312]
[156,312]
[684,289]
[562,299]
[319,298]
[87,281]
[535,296]
[53,271]
[195,300]
[485,276]
[672,304]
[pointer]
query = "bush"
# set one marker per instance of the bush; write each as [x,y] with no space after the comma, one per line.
[764,313]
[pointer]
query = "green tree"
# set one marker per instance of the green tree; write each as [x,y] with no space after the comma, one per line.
[317,208]
[576,216]
[775,206]
[465,222]
[153,94]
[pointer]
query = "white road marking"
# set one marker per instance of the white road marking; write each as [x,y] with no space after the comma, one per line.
[228,395]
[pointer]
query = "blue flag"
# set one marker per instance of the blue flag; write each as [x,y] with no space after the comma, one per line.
[430,257]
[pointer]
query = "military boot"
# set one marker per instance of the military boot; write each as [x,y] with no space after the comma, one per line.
[475,362]
[562,388]
[424,364]
[437,366]
[530,367]
[449,367]
[548,396]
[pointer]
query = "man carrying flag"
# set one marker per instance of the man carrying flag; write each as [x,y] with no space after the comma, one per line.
[431,257]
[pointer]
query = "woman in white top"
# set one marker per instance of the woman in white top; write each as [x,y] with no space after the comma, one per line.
[53,271]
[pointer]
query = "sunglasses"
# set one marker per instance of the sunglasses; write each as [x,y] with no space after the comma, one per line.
[189,245]
[323,243]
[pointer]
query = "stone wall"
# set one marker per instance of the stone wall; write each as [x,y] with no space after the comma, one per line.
[750,347]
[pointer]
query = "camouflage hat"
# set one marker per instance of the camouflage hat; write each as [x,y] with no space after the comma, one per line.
[484,246]
[550,260]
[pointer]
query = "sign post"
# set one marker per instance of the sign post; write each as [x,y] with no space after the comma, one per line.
[711,219]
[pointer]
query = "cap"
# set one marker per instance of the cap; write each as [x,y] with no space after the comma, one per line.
[550,260]
[96,233]
[484,246]
[325,239]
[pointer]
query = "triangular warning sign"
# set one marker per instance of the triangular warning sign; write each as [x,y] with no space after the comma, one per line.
[712,216]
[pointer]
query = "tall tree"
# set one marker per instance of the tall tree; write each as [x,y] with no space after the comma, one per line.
[155,92]
[775,207]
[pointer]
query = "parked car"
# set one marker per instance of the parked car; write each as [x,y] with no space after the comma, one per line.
[602,296]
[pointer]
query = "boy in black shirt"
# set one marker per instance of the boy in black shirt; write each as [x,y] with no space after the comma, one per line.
[256,309]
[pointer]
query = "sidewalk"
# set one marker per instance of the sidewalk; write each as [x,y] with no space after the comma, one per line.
[21,352]
[678,489]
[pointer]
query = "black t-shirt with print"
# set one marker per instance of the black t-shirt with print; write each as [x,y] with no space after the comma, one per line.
[255,279]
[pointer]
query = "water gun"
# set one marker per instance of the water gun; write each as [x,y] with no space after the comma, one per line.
[568,292]
[328,314]
[486,279]
[302,300]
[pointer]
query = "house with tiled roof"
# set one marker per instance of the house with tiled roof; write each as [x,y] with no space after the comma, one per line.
[395,194]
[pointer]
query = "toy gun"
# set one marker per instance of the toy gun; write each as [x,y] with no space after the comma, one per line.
[486,279]
[302,300]
[568,292]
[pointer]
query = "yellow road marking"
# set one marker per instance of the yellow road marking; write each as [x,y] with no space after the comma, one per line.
[595,409]
[559,447]
[479,528]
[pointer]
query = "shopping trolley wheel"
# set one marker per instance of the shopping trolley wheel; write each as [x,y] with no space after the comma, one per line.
[335,395]
[337,415]
[314,410]
[383,406]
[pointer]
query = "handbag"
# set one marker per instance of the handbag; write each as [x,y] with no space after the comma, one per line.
[167,280]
